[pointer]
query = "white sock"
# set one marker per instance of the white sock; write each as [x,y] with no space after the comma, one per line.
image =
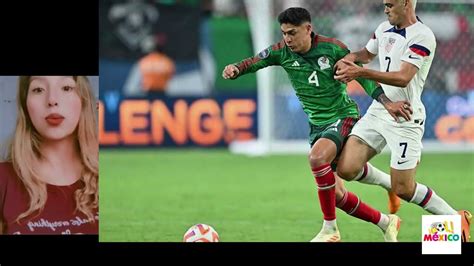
[428,200]
[384,221]
[330,225]
[374,177]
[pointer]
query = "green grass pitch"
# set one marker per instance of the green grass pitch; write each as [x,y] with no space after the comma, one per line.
[155,195]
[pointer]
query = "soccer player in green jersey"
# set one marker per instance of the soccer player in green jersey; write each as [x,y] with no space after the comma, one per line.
[308,59]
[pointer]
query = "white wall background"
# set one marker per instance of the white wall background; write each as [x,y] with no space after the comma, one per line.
[8,90]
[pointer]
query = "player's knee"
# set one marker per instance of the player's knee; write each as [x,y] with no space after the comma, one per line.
[346,172]
[318,159]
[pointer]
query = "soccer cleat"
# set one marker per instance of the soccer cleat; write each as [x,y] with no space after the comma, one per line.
[327,236]
[390,235]
[393,202]
[466,218]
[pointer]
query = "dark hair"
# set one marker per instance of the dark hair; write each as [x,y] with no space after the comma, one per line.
[295,16]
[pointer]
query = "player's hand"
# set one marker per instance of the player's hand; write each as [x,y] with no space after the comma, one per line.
[399,109]
[339,65]
[230,72]
[346,70]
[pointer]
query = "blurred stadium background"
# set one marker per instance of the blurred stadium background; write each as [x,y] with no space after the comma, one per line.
[165,160]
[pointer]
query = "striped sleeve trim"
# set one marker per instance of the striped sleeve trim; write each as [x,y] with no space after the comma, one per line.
[245,64]
[278,46]
[420,50]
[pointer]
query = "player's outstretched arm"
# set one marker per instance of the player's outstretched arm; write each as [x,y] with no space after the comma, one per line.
[230,72]
[267,57]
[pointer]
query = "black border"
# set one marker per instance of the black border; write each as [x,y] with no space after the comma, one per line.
[85,247]
[49,38]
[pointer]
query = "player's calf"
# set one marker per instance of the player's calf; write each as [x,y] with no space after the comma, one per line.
[340,188]
[404,190]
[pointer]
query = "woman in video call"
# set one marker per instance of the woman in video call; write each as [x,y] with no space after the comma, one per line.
[49,183]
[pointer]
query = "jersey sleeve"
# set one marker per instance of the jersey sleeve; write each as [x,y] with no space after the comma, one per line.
[340,49]
[419,49]
[268,57]
[373,44]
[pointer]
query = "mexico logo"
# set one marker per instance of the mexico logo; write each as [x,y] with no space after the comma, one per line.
[441,234]
[323,63]
[441,231]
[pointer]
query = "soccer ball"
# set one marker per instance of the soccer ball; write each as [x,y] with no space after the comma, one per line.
[440,227]
[201,233]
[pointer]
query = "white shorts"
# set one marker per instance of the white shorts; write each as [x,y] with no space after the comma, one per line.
[403,139]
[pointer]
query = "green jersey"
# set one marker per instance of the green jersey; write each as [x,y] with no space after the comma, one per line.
[323,98]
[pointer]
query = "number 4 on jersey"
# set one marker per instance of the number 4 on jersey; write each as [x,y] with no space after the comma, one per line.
[313,78]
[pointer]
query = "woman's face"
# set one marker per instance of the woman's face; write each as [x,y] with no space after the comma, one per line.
[54,106]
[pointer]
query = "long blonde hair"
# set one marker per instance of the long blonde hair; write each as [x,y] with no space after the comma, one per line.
[26,149]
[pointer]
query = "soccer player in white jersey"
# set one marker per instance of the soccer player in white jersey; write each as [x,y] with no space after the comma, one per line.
[406,48]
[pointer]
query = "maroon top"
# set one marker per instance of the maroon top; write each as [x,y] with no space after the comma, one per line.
[58,216]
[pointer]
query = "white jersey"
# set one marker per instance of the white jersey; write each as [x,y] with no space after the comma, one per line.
[416,45]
